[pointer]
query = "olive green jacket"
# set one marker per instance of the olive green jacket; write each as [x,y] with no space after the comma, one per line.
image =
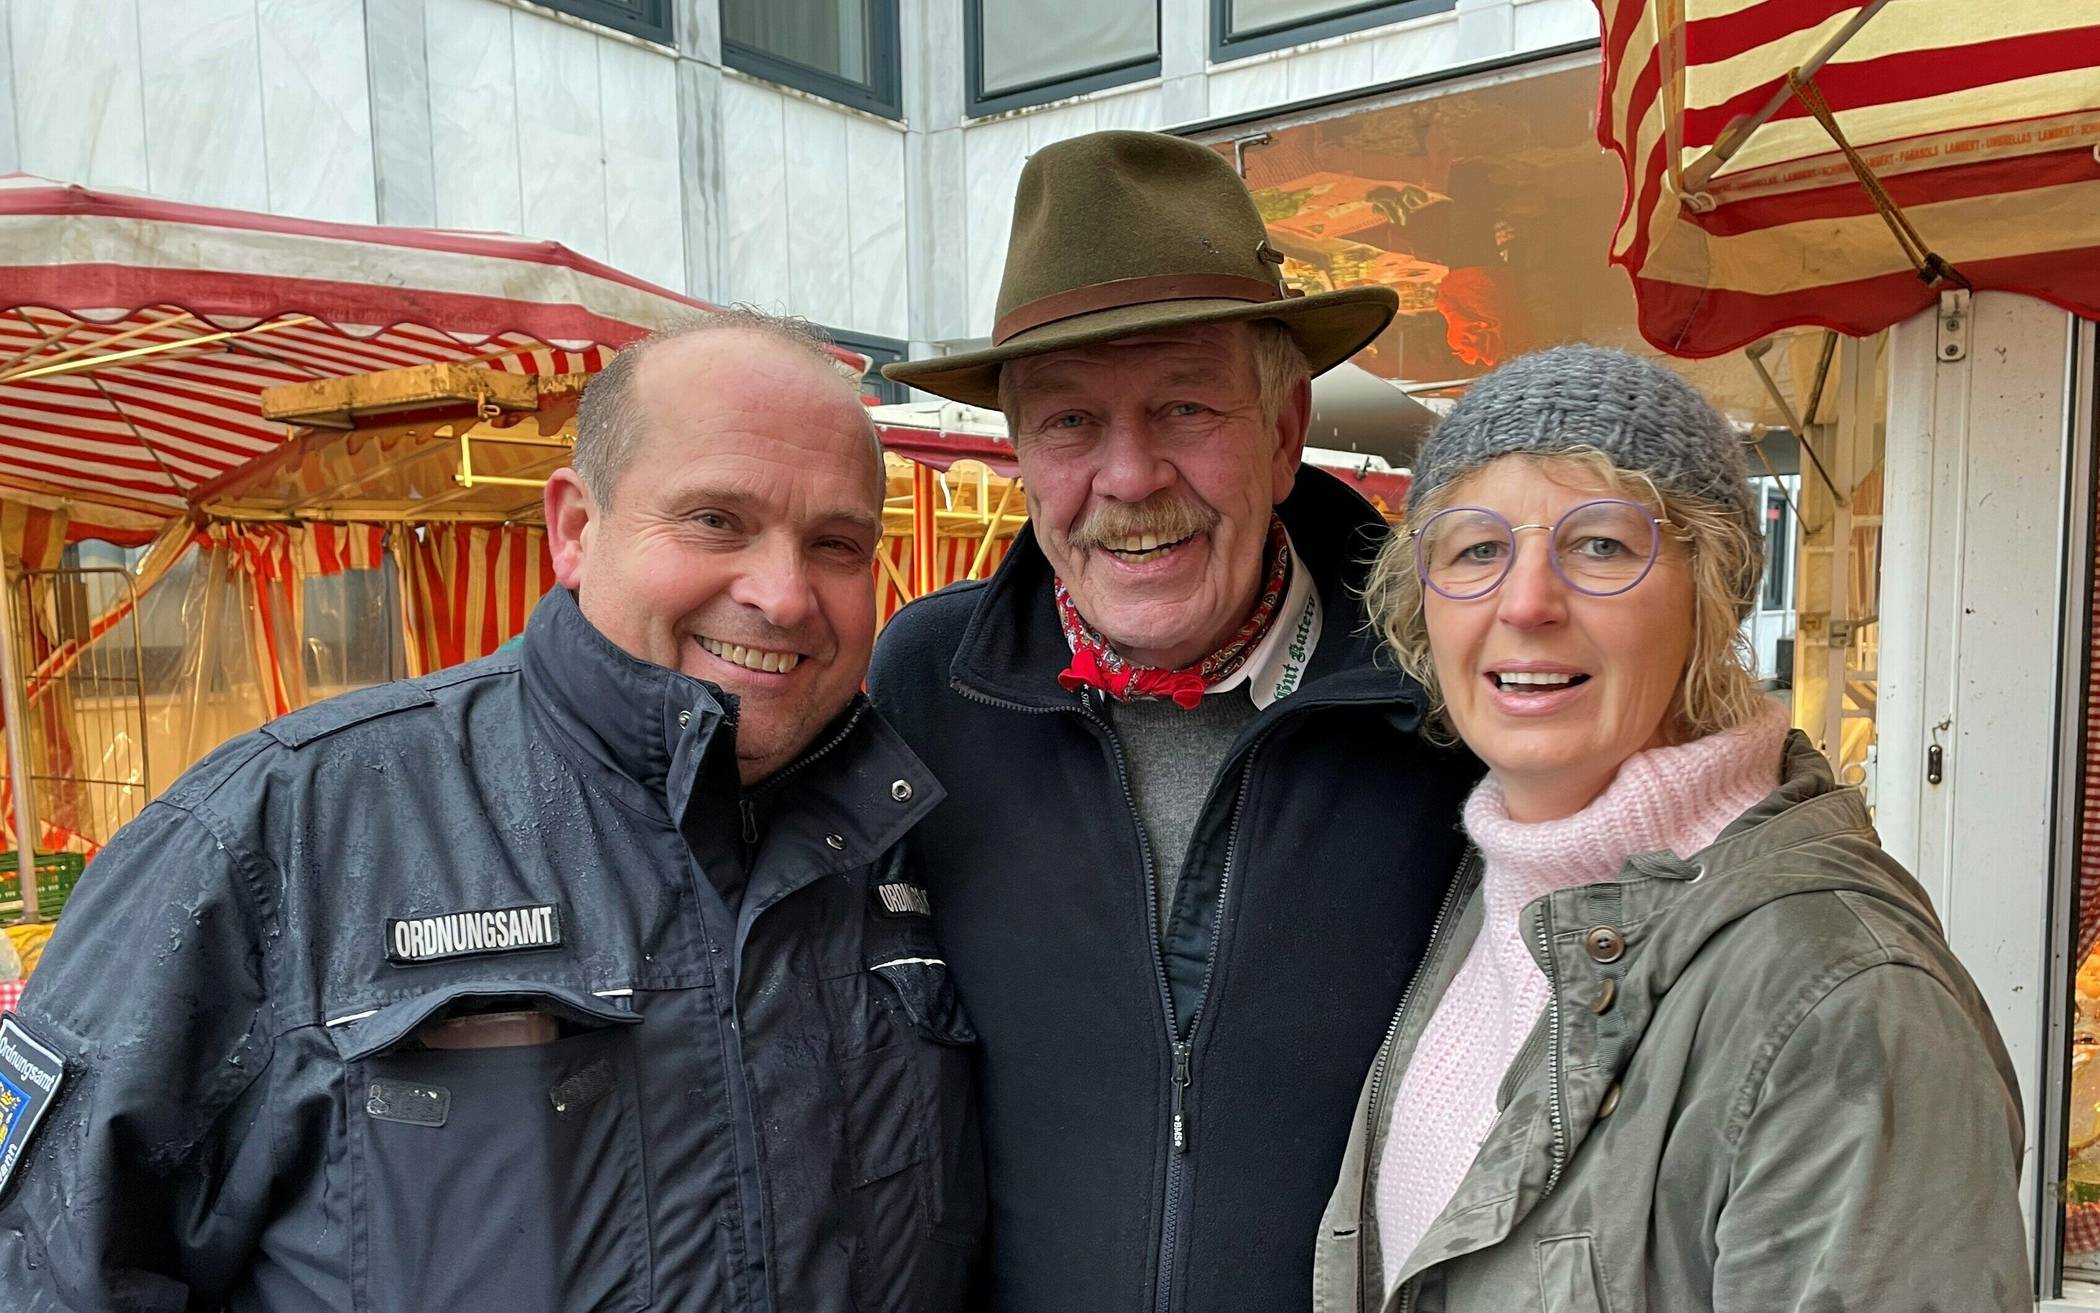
[1764,1085]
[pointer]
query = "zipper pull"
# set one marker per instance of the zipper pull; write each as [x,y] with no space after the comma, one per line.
[750,815]
[1181,1087]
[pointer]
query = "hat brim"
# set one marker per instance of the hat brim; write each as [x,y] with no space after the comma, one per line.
[1329,327]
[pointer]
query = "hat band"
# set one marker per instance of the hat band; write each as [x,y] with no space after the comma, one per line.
[1120,292]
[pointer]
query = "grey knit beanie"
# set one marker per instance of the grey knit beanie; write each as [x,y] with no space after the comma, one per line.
[1637,412]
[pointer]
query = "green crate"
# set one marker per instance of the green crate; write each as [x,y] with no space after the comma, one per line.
[56,874]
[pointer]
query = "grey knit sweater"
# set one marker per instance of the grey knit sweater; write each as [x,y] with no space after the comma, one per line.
[1174,756]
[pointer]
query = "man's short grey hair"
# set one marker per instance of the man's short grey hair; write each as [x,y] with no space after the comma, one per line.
[609,417]
[1279,366]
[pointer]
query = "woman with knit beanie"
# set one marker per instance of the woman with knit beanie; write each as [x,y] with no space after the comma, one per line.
[1684,1038]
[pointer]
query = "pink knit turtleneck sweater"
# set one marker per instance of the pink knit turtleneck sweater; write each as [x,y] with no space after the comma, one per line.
[1676,799]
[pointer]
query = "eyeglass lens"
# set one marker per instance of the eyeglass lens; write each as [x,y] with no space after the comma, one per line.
[1599,547]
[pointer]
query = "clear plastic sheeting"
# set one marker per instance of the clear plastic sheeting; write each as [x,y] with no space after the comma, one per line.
[137,662]
[257,620]
[351,634]
[249,623]
[85,717]
[83,754]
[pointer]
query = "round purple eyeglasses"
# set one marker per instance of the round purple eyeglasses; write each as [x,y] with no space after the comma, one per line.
[1601,548]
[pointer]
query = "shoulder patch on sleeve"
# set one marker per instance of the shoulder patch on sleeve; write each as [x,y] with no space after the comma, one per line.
[30,1074]
[321,719]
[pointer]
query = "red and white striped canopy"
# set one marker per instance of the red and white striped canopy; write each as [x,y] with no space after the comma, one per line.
[136,334]
[1980,117]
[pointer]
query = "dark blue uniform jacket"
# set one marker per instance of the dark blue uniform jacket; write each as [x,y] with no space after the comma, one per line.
[750,1086]
[1310,883]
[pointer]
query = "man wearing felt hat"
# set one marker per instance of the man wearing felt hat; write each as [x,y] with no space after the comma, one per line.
[1192,846]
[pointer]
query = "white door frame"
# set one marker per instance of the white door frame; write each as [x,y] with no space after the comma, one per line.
[1972,588]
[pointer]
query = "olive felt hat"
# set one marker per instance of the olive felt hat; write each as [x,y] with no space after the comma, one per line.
[1118,233]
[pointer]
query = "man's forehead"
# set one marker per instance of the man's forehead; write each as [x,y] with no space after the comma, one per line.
[733,381]
[728,364]
[797,450]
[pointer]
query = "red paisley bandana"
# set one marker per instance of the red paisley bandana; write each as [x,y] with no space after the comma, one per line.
[1096,664]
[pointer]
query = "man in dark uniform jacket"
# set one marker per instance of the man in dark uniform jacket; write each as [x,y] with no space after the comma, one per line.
[582,977]
[1192,845]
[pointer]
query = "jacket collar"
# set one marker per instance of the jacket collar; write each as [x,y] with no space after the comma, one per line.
[1012,647]
[664,743]
[629,721]
[1806,835]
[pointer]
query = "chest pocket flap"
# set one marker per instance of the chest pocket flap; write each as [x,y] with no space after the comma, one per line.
[382,1030]
[1569,1278]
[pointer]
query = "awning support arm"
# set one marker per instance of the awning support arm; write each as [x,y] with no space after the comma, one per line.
[1931,268]
[1755,353]
[1702,170]
[889,568]
[90,364]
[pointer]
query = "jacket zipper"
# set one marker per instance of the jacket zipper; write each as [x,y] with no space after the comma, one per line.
[822,750]
[747,813]
[1177,1150]
[1553,1101]
[1181,1129]
[1184,1049]
[746,803]
[1431,953]
[1181,1086]
[1553,1108]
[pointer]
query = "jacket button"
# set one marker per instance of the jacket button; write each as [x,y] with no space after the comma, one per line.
[901,790]
[1611,1101]
[1604,944]
[835,841]
[685,718]
[1607,994]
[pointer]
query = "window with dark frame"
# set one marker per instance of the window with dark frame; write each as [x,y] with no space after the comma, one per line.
[1779,547]
[842,50]
[1250,27]
[1025,52]
[648,19]
[880,351]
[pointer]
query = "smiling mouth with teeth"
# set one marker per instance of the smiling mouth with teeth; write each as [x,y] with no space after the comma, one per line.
[1535,681]
[753,658]
[1142,547]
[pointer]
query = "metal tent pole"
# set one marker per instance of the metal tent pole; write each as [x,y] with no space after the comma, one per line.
[15,707]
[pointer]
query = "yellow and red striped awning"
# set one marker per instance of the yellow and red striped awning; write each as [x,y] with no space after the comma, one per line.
[1980,118]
